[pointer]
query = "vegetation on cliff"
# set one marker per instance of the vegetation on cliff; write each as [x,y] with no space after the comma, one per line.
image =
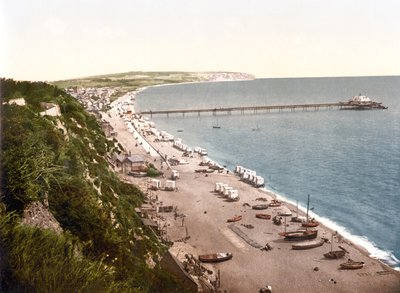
[60,161]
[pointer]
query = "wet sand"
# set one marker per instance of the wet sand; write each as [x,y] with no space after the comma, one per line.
[202,221]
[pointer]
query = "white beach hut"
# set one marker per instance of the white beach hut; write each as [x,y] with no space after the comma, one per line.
[155,184]
[169,185]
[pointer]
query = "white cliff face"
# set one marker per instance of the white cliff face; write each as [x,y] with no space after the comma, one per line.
[226,76]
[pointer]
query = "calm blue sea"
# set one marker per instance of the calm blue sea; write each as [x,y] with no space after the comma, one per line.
[348,161]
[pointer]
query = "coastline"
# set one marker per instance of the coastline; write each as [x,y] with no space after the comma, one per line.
[203,183]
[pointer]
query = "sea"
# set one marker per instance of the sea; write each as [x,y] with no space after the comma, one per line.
[348,161]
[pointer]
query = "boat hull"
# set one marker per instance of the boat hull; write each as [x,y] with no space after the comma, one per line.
[215,257]
[307,245]
[234,219]
[300,235]
[354,265]
[260,207]
[310,224]
[263,216]
[336,254]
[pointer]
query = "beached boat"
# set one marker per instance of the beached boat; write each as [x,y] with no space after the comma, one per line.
[308,244]
[263,216]
[299,235]
[275,203]
[310,224]
[335,254]
[351,265]
[234,219]
[259,207]
[215,257]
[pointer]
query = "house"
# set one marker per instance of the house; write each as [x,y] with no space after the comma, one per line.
[128,163]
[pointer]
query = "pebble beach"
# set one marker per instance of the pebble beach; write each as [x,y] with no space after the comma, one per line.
[199,226]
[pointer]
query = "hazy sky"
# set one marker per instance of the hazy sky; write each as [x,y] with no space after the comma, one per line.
[57,39]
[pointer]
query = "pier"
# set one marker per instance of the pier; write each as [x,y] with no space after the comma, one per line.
[350,105]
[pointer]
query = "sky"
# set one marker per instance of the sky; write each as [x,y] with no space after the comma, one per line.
[59,39]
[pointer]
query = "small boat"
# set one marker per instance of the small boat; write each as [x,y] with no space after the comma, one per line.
[259,207]
[263,216]
[234,219]
[310,224]
[275,203]
[308,244]
[216,126]
[215,257]
[351,265]
[299,235]
[179,130]
[335,254]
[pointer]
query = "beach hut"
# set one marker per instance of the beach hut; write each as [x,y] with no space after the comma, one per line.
[227,189]
[155,184]
[222,188]
[169,185]
[217,187]
[233,194]
[238,169]
[259,181]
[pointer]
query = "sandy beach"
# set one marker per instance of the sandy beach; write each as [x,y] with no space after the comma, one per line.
[200,226]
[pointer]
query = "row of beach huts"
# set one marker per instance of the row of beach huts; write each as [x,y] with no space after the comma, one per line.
[184,148]
[169,185]
[249,176]
[227,191]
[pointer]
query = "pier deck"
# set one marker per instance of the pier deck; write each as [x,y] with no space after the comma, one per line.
[269,108]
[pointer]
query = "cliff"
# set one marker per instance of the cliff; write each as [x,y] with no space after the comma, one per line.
[67,223]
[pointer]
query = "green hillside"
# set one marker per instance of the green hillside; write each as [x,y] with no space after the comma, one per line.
[60,162]
[130,81]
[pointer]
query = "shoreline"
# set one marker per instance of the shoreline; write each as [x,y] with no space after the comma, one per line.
[326,229]
[363,243]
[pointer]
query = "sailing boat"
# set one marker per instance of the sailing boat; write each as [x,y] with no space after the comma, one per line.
[297,218]
[335,254]
[300,234]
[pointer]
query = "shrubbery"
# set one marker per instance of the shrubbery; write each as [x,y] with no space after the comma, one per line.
[97,251]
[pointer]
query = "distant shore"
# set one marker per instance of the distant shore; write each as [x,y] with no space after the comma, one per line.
[205,214]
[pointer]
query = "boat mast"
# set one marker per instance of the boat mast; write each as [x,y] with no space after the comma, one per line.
[308,206]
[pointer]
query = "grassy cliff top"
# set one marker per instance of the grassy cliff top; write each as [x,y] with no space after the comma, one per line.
[129,81]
